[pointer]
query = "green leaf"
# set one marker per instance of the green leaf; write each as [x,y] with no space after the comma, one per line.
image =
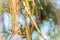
[1,8]
[29,0]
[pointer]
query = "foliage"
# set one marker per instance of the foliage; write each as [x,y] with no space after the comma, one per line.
[42,12]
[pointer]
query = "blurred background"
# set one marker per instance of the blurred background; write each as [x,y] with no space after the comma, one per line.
[29,19]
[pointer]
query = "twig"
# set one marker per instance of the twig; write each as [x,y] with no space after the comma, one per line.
[40,4]
[27,25]
[33,21]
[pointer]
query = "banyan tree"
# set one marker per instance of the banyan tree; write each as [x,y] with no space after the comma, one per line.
[35,13]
